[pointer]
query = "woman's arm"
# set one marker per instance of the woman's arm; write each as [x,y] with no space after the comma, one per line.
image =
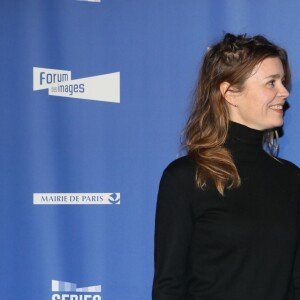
[173,233]
[297,259]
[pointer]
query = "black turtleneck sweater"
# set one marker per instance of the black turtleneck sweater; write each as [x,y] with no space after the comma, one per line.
[242,246]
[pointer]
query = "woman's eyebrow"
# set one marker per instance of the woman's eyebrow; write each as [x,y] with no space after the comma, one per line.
[275,76]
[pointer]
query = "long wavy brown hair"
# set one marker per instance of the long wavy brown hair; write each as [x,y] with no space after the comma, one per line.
[231,60]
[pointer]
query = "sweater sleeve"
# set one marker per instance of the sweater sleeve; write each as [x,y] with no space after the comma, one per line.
[297,259]
[297,274]
[173,232]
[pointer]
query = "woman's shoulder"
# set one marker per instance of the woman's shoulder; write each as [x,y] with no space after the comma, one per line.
[180,177]
[290,167]
[182,167]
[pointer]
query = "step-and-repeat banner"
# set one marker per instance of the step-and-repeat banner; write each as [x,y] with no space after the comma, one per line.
[93,98]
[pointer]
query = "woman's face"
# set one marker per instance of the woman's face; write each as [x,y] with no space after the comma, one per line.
[260,104]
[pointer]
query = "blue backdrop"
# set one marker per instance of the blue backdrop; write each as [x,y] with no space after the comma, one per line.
[56,144]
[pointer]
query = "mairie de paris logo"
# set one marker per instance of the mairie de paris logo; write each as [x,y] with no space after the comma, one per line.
[96,1]
[76,198]
[59,83]
[62,290]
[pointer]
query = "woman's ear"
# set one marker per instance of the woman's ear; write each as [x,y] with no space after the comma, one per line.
[224,86]
[227,93]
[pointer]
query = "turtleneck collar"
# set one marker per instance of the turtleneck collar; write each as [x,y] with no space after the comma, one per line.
[243,142]
[245,134]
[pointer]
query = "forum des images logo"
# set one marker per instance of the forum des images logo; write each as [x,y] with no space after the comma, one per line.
[62,290]
[59,83]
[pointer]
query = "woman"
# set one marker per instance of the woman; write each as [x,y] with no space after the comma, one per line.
[227,219]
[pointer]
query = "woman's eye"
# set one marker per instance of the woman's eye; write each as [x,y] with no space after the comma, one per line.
[271,83]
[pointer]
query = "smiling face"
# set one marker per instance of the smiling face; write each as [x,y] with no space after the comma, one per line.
[260,104]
